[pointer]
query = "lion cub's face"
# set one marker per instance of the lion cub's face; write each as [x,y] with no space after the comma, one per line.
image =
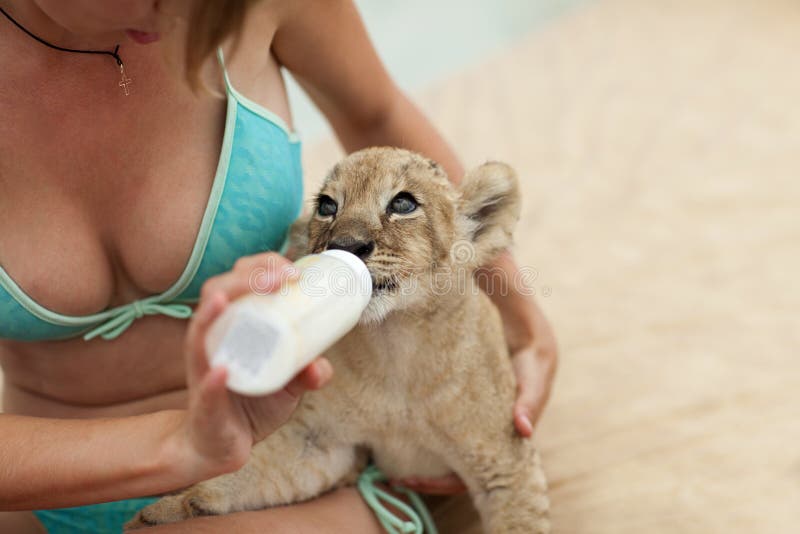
[398,212]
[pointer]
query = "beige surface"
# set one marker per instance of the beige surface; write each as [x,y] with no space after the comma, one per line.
[659,143]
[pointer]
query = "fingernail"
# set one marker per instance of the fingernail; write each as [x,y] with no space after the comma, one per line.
[216,378]
[325,370]
[526,424]
[206,306]
[221,373]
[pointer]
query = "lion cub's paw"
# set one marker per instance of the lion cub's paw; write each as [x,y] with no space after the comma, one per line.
[195,502]
[166,510]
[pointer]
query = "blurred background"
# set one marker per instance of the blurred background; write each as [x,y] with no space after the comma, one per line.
[422,42]
[658,142]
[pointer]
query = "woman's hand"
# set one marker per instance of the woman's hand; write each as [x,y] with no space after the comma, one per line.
[222,426]
[531,343]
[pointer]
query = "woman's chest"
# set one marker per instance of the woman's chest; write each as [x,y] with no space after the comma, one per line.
[95,213]
[104,195]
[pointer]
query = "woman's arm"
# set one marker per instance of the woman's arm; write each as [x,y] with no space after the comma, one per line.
[114,459]
[46,463]
[326,47]
[49,463]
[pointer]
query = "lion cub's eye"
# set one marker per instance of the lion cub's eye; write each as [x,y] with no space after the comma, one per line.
[326,206]
[402,203]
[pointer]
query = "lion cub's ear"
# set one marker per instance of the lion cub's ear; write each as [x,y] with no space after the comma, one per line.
[488,210]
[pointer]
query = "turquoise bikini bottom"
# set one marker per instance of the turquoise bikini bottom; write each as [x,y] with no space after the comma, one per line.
[108,518]
[105,518]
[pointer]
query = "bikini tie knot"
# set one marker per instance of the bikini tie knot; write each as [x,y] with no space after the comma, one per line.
[138,309]
[417,519]
[122,317]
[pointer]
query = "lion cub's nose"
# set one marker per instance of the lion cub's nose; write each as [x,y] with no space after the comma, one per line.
[362,249]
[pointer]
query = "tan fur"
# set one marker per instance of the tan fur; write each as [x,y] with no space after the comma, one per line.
[424,383]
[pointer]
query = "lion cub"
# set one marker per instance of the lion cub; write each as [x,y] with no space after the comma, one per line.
[423,384]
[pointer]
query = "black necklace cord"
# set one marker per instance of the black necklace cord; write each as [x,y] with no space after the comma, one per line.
[114,54]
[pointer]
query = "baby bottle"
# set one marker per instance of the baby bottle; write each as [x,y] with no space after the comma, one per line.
[265,340]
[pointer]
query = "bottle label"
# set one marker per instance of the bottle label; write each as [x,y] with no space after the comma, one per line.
[249,344]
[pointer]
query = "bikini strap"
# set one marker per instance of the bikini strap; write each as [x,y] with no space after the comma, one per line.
[233,94]
[221,60]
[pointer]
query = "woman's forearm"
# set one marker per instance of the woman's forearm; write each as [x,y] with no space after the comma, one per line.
[50,463]
[402,124]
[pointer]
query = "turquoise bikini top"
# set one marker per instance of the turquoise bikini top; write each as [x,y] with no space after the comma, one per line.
[256,195]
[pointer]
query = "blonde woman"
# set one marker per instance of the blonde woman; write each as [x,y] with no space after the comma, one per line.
[148,169]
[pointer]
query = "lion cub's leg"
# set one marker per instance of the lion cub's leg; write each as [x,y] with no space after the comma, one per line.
[506,482]
[291,465]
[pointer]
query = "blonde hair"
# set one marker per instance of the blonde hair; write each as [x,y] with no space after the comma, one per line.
[210,23]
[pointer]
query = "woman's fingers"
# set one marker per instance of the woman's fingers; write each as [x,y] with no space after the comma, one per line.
[534,375]
[314,376]
[207,311]
[447,485]
[525,408]
[217,434]
[264,414]
[260,274]
[269,273]
[522,420]
[221,426]
[213,401]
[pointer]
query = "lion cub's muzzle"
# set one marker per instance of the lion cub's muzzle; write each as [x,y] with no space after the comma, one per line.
[360,248]
[363,249]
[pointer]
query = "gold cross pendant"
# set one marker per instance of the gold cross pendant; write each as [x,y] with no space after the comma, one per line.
[125,82]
